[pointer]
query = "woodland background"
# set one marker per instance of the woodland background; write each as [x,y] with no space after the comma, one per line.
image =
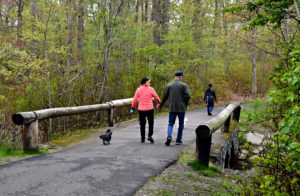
[57,53]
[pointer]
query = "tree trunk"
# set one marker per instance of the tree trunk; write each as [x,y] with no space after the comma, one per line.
[160,15]
[137,7]
[34,9]
[226,38]
[69,33]
[142,11]
[146,3]
[157,18]
[80,31]
[1,17]
[216,19]
[166,16]
[107,27]
[49,131]
[20,42]
[98,30]
[225,25]
[254,79]
[196,22]
[263,73]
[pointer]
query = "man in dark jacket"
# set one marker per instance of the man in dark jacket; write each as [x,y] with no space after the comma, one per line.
[209,99]
[178,95]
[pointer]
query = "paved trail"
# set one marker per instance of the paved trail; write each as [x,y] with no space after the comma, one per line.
[91,168]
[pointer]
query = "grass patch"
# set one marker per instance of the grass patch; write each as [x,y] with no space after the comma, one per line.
[189,159]
[165,193]
[202,169]
[191,176]
[71,137]
[228,188]
[6,151]
[56,140]
[186,157]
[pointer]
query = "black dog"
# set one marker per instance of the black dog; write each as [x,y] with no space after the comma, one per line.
[106,137]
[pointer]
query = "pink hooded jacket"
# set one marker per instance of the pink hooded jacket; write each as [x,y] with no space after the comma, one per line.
[144,96]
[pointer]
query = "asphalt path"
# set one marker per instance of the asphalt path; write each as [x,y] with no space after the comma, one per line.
[91,168]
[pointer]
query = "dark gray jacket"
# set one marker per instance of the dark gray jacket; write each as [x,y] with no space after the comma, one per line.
[178,95]
[210,97]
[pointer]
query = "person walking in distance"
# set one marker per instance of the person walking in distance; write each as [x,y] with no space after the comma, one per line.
[209,99]
[178,94]
[143,97]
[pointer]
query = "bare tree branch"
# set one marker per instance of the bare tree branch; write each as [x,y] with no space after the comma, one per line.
[75,77]
[273,32]
[37,87]
[288,13]
[268,52]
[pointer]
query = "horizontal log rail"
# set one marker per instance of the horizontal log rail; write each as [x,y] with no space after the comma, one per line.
[22,118]
[205,130]
[30,119]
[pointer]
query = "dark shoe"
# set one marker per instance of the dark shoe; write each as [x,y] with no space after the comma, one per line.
[168,141]
[150,139]
[142,140]
[209,114]
[179,143]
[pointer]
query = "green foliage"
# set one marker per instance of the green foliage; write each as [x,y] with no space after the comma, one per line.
[279,163]
[269,11]
[8,151]
[117,52]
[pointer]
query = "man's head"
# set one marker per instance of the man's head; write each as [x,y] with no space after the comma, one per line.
[178,75]
[210,85]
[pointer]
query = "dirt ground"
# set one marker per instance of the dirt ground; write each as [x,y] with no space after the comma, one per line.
[180,179]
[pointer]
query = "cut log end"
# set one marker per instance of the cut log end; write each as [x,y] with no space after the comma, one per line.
[203,131]
[18,119]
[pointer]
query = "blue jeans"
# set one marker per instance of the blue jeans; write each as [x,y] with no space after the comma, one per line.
[172,118]
[210,109]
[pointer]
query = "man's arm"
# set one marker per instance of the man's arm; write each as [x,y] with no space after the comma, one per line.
[187,95]
[165,97]
[204,98]
[214,93]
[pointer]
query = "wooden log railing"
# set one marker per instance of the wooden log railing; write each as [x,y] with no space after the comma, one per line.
[205,130]
[30,119]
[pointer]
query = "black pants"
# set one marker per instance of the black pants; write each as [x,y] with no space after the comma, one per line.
[142,118]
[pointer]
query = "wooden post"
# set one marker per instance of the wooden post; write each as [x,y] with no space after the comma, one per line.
[31,136]
[236,114]
[203,143]
[110,117]
[204,132]
[226,126]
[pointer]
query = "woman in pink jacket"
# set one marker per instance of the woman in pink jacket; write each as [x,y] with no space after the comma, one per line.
[144,96]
